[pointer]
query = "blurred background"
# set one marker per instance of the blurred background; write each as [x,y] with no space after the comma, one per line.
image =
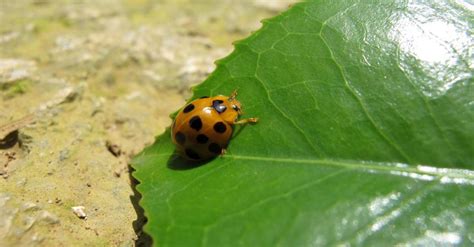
[84,86]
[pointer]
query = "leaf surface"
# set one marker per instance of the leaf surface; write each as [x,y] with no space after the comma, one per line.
[365,135]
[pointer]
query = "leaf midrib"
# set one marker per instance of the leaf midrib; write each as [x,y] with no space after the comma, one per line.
[368,165]
[436,172]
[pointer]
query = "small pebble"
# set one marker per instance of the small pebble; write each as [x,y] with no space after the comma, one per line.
[79,211]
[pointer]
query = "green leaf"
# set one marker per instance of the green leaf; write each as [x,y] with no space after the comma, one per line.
[366,134]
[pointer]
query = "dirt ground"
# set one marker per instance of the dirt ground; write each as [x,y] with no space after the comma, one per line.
[85,85]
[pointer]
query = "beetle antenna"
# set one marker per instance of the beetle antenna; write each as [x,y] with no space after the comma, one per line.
[233,95]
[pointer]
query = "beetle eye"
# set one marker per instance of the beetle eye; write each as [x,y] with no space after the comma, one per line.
[235,108]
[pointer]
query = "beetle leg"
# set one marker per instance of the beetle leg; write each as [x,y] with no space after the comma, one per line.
[223,152]
[247,120]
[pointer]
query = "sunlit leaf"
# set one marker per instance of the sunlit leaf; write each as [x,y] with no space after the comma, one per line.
[366,134]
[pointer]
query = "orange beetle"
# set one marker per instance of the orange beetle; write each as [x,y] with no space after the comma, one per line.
[203,128]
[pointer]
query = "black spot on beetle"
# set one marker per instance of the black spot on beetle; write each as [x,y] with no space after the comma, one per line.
[188,108]
[195,123]
[217,104]
[220,127]
[192,154]
[215,148]
[201,138]
[180,137]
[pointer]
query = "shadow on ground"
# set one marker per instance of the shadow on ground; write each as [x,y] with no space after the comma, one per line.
[143,239]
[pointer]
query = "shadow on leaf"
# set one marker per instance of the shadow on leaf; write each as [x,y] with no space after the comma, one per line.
[176,162]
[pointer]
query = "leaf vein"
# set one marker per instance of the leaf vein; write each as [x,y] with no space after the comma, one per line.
[319,152]
[362,105]
[270,199]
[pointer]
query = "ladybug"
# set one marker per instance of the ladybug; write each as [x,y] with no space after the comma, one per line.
[203,128]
